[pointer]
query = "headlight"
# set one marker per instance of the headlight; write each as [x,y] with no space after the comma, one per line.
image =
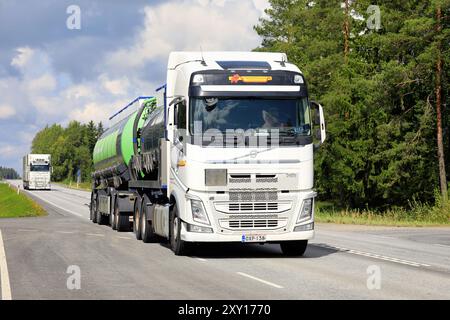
[198,212]
[306,211]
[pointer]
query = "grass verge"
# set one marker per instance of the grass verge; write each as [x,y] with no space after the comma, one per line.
[419,215]
[13,205]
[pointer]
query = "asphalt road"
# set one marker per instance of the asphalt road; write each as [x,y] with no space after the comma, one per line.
[44,256]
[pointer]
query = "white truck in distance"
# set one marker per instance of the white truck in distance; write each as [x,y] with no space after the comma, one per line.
[223,154]
[37,171]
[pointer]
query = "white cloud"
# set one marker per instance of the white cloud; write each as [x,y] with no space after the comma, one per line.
[9,151]
[116,87]
[24,55]
[187,26]
[40,95]
[6,111]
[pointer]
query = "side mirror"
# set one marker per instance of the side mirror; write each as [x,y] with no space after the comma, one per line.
[172,117]
[318,123]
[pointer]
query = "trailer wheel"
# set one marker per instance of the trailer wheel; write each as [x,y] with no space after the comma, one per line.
[100,218]
[137,218]
[93,209]
[294,248]
[112,215]
[179,247]
[122,221]
[147,232]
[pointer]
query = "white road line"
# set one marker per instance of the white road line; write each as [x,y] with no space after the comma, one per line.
[64,209]
[442,245]
[65,232]
[128,238]
[374,256]
[383,237]
[27,230]
[260,280]
[95,234]
[200,259]
[4,276]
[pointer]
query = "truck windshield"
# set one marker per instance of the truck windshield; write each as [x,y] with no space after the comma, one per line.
[40,167]
[290,117]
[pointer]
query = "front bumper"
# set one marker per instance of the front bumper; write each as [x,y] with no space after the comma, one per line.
[231,226]
[237,237]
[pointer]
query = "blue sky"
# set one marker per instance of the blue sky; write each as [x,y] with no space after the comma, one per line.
[51,74]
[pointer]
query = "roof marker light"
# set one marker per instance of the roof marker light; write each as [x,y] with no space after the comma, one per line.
[236,78]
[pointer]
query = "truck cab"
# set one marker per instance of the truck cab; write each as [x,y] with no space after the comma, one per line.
[37,171]
[242,134]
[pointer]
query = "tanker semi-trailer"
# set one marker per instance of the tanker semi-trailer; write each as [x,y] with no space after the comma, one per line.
[222,153]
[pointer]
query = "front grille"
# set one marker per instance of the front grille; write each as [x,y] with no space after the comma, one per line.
[252,206]
[246,224]
[254,196]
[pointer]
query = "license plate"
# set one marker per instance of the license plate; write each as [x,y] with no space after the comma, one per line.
[253,238]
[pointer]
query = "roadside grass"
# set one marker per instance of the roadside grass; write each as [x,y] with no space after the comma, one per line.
[13,205]
[85,186]
[419,215]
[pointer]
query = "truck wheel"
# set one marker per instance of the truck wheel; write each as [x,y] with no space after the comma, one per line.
[137,218]
[93,210]
[112,216]
[147,233]
[100,218]
[122,221]
[179,247]
[294,248]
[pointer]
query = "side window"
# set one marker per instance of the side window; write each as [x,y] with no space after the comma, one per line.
[181,115]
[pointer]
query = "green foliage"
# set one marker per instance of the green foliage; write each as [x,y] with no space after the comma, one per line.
[8,174]
[379,103]
[71,148]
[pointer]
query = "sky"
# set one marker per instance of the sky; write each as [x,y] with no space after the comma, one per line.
[50,73]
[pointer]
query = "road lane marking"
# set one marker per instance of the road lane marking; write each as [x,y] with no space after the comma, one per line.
[4,276]
[66,232]
[442,245]
[128,238]
[64,209]
[200,259]
[95,234]
[27,230]
[373,255]
[260,280]
[383,237]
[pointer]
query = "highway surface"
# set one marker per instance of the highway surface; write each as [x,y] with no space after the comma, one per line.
[39,258]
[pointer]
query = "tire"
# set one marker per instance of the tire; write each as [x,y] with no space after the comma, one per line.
[147,233]
[179,247]
[93,209]
[100,218]
[112,216]
[122,221]
[137,218]
[294,248]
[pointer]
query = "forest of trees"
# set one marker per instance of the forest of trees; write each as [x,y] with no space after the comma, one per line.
[8,173]
[71,148]
[384,93]
[384,89]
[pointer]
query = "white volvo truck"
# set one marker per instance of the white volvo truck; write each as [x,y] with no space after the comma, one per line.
[37,171]
[224,153]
